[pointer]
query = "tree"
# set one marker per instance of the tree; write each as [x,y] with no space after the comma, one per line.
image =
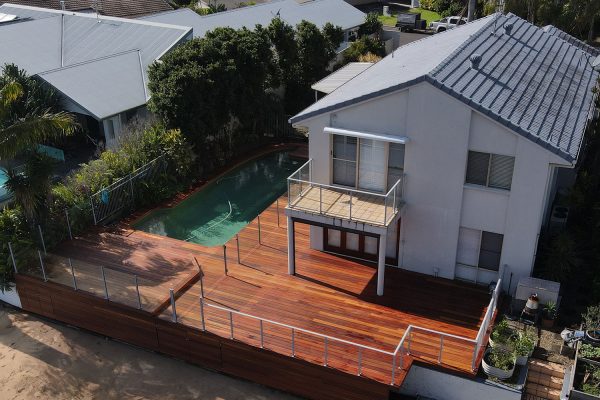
[372,25]
[283,38]
[207,83]
[28,113]
[31,186]
[363,46]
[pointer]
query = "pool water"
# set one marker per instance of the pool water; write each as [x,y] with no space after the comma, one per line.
[4,194]
[214,214]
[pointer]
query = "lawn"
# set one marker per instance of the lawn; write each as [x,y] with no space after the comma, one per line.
[425,14]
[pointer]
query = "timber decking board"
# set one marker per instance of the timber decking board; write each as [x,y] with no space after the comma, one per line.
[330,295]
[236,358]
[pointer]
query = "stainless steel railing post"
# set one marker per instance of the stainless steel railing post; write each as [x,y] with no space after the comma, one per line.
[73,274]
[42,266]
[105,285]
[137,290]
[12,257]
[173,307]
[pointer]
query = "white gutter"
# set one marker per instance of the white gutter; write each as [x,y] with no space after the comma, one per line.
[385,137]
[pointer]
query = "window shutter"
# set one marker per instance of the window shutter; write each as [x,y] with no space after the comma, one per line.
[491,249]
[501,171]
[477,168]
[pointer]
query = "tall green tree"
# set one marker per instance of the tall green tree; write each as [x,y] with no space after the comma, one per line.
[28,113]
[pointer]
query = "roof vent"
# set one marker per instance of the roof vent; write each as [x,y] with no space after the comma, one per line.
[475,60]
[508,28]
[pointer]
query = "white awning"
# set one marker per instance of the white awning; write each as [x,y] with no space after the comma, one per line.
[384,137]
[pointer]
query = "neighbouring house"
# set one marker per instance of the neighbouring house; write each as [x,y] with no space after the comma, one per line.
[319,12]
[99,64]
[112,8]
[444,157]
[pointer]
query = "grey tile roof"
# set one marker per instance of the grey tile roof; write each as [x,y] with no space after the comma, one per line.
[551,29]
[319,12]
[100,64]
[113,8]
[532,81]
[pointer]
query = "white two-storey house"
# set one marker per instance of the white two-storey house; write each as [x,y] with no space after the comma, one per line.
[443,157]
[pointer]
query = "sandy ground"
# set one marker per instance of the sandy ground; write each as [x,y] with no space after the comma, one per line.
[43,360]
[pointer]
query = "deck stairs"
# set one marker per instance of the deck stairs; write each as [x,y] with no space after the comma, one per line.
[544,380]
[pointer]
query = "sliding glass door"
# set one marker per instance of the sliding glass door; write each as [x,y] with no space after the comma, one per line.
[344,160]
[372,166]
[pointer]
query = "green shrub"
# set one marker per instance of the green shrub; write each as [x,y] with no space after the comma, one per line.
[589,351]
[362,47]
[13,230]
[524,345]
[503,333]
[501,358]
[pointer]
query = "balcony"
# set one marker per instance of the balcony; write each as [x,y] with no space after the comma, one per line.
[377,209]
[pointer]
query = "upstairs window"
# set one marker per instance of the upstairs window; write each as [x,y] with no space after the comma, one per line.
[491,170]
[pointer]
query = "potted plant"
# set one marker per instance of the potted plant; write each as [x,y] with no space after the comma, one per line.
[591,323]
[548,315]
[524,348]
[499,363]
[503,335]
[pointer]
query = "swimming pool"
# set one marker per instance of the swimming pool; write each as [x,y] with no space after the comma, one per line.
[214,214]
[4,193]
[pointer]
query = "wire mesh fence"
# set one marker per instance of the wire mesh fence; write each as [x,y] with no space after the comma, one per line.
[122,194]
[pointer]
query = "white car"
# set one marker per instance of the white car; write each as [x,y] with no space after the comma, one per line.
[446,23]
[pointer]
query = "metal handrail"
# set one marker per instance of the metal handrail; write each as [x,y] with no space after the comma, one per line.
[399,348]
[229,310]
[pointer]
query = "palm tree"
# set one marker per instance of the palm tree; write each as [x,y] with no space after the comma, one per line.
[27,113]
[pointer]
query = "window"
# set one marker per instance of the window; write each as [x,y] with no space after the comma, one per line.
[453,21]
[395,164]
[479,249]
[492,170]
[361,163]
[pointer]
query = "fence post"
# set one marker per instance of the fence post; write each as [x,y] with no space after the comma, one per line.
[69,224]
[202,314]
[42,239]
[137,290]
[237,240]
[320,199]
[73,274]
[350,216]
[259,239]
[384,210]
[441,349]
[105,285]
[277,204]
[173,309]
[262,338]
[93,211]
[359,373]
[231,324]
[325,352]
[42,265]
[12,257]
[293,342]
[131,189]
[393,369]
[225,257]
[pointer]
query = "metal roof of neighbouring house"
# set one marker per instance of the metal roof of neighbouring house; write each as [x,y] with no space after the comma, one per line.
[341,76]
[99,63]
[319,12]
[535,82]
[113,8]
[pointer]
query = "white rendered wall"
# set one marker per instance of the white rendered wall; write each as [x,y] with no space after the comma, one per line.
[441,131]
[419,381]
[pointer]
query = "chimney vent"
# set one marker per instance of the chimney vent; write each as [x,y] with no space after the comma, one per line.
[62,5]
[508,28]
[475,60]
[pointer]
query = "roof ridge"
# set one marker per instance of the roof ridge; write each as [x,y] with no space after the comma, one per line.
[594,50]
[464,44]
[121,53]
[207,16]
[137,21]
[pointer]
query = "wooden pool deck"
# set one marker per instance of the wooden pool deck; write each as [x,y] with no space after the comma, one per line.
[329,295]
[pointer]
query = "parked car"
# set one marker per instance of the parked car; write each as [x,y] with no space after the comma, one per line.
[446,23]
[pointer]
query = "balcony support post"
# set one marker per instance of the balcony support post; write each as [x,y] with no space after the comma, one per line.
[291,246]
[381,264]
